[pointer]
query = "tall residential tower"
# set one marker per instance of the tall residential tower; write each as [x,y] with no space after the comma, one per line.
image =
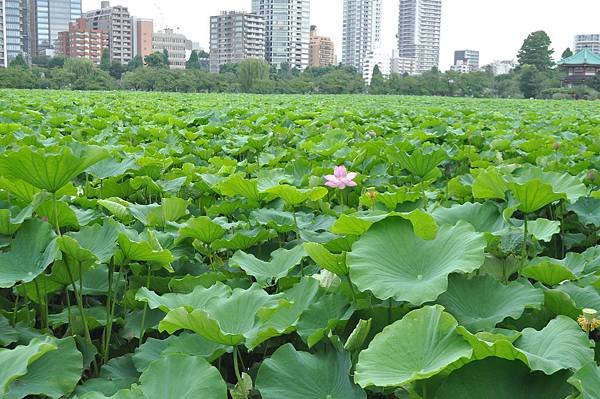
[287,29]
[419,26]
[117,22]
[361,31]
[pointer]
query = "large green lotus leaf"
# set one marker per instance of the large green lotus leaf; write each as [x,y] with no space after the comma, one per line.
[170,210]
[239,185]
[533,195]
[392,262]
[117,207]
[498,343]
[243,239]
[118,373]
[23,191]
[494,378]
[482,302]
[49,171]
[490,184]
[587,381]
[561,183]
[554,271]
[268,273]
[587,210]
[422,163]
[110,167]
[300,375]
[90,246]
[583,297]
[228,320]
[423,223]
[188,344]
[8,334]
[560,345]
[12,217]
[323,316]
[32,251]
[281,221]
[199,298]
[143,247]
[543,229]
[202,228]
[335,263]
[295,196]
[54,375]
[67,217]
[417,347]
[183,377]
[16,361]
[486,217]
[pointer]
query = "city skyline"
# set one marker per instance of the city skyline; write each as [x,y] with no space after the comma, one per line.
[494,28]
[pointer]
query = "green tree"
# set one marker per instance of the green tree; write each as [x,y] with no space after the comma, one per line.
[165,55]
[567,53]
[79,74]
[252,70]
[135,63]
[531,81]
[117,69]
[377,82]
[17,78]
[156,60]
[58,61]
[40,60]
[536,51]
[105,60]
[193,62]
[18,62]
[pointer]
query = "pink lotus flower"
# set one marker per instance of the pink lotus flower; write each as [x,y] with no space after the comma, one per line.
[340,178]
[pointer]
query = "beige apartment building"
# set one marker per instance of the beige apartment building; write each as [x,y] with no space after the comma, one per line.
[321,50]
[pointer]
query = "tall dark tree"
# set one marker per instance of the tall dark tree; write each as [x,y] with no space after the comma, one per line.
[156,60]
[105,60]
[165,55]
[135,63]
[58,61]
[252,70]
[18,62]
[536,51]
[567,53]
[193,62]
[531,81]
[377,82]
[117,69]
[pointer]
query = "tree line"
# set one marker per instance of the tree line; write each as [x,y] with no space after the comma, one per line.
[535,77]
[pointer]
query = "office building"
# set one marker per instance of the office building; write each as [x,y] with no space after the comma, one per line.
[143,30]
[117,22]
[374,58]
[235,36]
[47,18]
[321,50]
[403,66]
[467,57]
[591,42]
[81,41]
[419,25]
[176,45]
[287,25]
[361,30]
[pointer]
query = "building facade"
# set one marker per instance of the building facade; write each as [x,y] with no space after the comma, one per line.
[361,30]
[287,26]
[580,67]
[81,41]
[117,22]
[3,57]
[48,18]
[321,50]
[591,42]
[403,66]
[143,29]
[501,67]
[13,36]
[467,57]
[419,25]
[176,45]
[235,36]
[374,58]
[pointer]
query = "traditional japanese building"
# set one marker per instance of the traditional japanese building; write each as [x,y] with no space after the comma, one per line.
[580,67]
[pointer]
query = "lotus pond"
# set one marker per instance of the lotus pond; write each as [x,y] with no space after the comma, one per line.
[287,247]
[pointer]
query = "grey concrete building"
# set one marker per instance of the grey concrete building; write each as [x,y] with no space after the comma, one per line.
[118,23]
[361,30]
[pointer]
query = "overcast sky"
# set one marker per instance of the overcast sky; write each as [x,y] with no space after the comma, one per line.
[494,27]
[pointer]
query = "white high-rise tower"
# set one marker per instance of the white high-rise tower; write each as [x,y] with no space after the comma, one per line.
[419,26]
[287,31]
[361,31]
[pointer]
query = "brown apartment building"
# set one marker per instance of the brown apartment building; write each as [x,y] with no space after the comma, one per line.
[321,51]
[81,41]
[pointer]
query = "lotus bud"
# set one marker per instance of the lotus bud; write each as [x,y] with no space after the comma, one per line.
[372,193]
[556,146]
[592,174]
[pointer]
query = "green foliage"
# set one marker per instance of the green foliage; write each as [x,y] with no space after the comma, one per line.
[536,51]
[251,71]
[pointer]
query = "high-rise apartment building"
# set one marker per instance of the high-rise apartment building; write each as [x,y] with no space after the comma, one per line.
[465,61]
[3,62]
[419,27]
[13,36]
[142,36]
[378,58]
[321,50]
[176,45]
[361,30]
[588,41]
[235,36]
[47,18]
[117,22]
[81,41]
[287,25]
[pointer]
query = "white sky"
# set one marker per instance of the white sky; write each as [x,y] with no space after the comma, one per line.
[494,27]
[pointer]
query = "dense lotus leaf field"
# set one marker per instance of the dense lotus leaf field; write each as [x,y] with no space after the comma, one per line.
[288,247]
